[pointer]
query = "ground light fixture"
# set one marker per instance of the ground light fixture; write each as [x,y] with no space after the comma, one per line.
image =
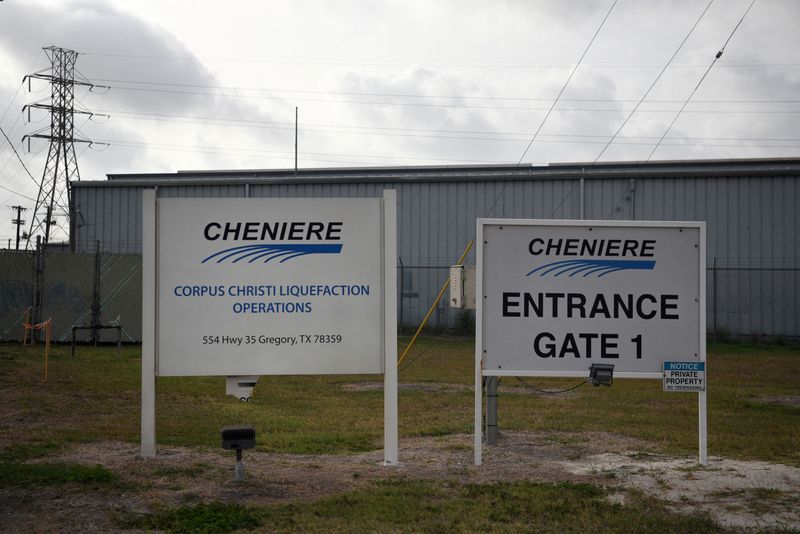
[238,438]
[601,374]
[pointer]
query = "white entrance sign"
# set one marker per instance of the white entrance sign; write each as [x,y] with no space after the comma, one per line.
[684,376]
[271,286]
[556,296]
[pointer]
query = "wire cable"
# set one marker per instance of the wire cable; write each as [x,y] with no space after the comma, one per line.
[503,189]
[423,96]
[17,193]
[11,102]
[655,81]
[566,83]
[713,62]
[550,391]
[552,106]
[426,349]
[17,154]
[460,135]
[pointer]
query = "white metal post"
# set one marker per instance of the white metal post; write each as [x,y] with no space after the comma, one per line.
[148,430]
[478,341]
[703,423]
[702,410]
[390,415]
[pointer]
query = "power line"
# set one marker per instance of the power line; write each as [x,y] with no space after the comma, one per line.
[498,63]
[553,105]
[655,81]
[17,154]
[11,103]
[566,83]
[17,193]
[249,151]
[404,132]
[418,95]
[543,138]
[438,104]
[713,62]
[503,188]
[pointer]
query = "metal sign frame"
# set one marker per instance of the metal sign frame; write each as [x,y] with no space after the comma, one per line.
[388,324]
[480,373]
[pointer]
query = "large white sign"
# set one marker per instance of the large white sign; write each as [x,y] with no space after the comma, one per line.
[559,296]
[555,297]
[269,286]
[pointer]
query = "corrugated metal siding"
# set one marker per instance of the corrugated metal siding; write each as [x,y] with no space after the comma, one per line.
[112,216]
[753,228]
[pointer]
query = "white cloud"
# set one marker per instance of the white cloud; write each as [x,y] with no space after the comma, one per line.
[404,82]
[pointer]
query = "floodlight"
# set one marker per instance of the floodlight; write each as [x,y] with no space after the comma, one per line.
[601,374]
[238,438]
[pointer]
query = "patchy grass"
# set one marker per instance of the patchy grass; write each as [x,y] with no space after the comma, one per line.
[188,471]
[95,396]
[740,424]
[28,451]
[55,474]
[201,518]
[415,506]
[760,501]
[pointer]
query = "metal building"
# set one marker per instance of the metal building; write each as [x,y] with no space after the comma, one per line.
[750,206]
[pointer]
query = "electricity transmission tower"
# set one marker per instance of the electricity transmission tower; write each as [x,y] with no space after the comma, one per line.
[61,166]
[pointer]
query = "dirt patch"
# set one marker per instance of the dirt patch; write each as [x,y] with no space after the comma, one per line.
[738,493]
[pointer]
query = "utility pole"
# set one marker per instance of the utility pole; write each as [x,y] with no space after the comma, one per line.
[18,221]
[295,141]
[62,164]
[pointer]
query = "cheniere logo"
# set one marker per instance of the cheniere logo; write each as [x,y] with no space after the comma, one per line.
[589,267]
[281,241]
[588,251]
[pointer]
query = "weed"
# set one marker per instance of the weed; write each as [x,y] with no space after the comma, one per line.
[465,323]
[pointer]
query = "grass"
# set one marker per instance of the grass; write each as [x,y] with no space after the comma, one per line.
[55,474]
[201,518]
[95,396]
[417,506]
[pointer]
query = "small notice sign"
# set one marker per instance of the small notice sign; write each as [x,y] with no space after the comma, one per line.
[684,376]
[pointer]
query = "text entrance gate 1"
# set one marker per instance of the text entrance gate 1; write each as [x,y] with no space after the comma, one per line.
[556,296]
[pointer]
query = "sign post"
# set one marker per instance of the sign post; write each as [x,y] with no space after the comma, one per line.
[269,286]
[556,296]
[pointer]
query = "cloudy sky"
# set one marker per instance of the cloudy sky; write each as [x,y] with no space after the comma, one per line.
[214,85]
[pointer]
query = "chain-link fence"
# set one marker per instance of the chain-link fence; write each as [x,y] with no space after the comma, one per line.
[16,292]
[756,298]
[93,292]
[744,297]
